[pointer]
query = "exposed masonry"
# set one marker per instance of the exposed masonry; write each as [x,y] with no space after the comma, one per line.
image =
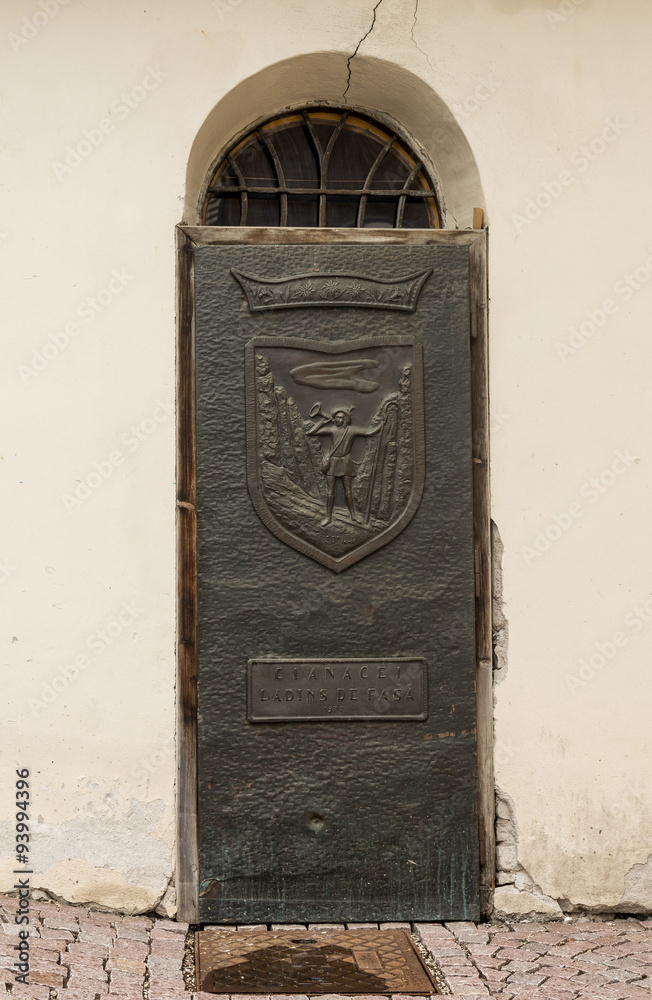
[499,621]
[507,866]
[509,872]
[506,840]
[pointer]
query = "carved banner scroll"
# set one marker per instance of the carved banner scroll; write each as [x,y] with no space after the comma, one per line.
[335,289]
[335,449]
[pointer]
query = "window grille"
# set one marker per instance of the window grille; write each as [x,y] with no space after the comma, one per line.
[322,167]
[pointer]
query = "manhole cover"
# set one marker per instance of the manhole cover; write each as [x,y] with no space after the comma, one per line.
[362,961]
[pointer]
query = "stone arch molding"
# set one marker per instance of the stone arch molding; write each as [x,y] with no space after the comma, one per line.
[377,86]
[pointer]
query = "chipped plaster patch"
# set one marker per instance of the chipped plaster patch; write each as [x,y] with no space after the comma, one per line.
[511,902]
[637,897]
[76,881]
[167,905]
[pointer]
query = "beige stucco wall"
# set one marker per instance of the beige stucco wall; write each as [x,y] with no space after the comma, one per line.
[86,247]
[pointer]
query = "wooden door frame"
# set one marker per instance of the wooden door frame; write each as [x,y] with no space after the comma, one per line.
[189,237]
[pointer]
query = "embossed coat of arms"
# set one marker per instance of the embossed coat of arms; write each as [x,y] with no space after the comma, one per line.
[335,442]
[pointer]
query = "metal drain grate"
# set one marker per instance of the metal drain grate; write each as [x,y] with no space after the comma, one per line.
[350,962]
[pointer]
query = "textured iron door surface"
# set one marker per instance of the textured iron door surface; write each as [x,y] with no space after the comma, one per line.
[336,701]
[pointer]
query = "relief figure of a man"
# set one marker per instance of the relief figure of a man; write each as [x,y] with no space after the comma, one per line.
[338,463]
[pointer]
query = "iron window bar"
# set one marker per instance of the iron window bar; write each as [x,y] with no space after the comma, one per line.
[353,192]
[370,176]
[399,190]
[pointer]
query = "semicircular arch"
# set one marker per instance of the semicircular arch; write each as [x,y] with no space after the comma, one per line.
[378,87]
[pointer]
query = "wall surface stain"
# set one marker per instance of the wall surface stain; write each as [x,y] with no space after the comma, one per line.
[122,862]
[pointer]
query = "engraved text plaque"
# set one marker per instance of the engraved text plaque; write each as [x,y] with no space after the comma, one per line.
[337,690]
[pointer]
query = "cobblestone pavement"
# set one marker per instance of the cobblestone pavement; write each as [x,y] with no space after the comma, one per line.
[80,954]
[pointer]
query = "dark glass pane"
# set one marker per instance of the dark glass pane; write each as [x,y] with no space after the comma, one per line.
[416,214]
[303,211]
[223,211]
[263,211]
[380,213]
[226,178]
[352,158]
[256,166]
[295,151]
[323,130]
[341,211]
[392,173]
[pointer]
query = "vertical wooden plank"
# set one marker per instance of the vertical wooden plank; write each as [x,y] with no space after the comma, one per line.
[187,844]
[482,532]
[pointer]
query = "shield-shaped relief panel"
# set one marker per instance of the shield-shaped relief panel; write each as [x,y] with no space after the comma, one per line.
[335,453]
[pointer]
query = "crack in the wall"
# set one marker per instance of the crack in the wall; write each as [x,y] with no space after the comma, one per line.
[416,44]
[352,57]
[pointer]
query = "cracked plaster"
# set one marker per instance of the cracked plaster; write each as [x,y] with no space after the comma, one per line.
[357,49]
[416,44]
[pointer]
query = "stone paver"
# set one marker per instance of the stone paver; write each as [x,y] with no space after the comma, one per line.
[79,954]
[581,960]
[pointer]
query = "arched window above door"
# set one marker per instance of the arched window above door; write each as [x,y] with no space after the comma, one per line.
[322,167]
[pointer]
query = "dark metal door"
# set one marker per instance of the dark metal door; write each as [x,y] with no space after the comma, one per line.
[337,775]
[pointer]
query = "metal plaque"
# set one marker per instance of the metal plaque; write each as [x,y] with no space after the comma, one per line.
[337,690]
[362,962]
[335,450]
[335,526]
